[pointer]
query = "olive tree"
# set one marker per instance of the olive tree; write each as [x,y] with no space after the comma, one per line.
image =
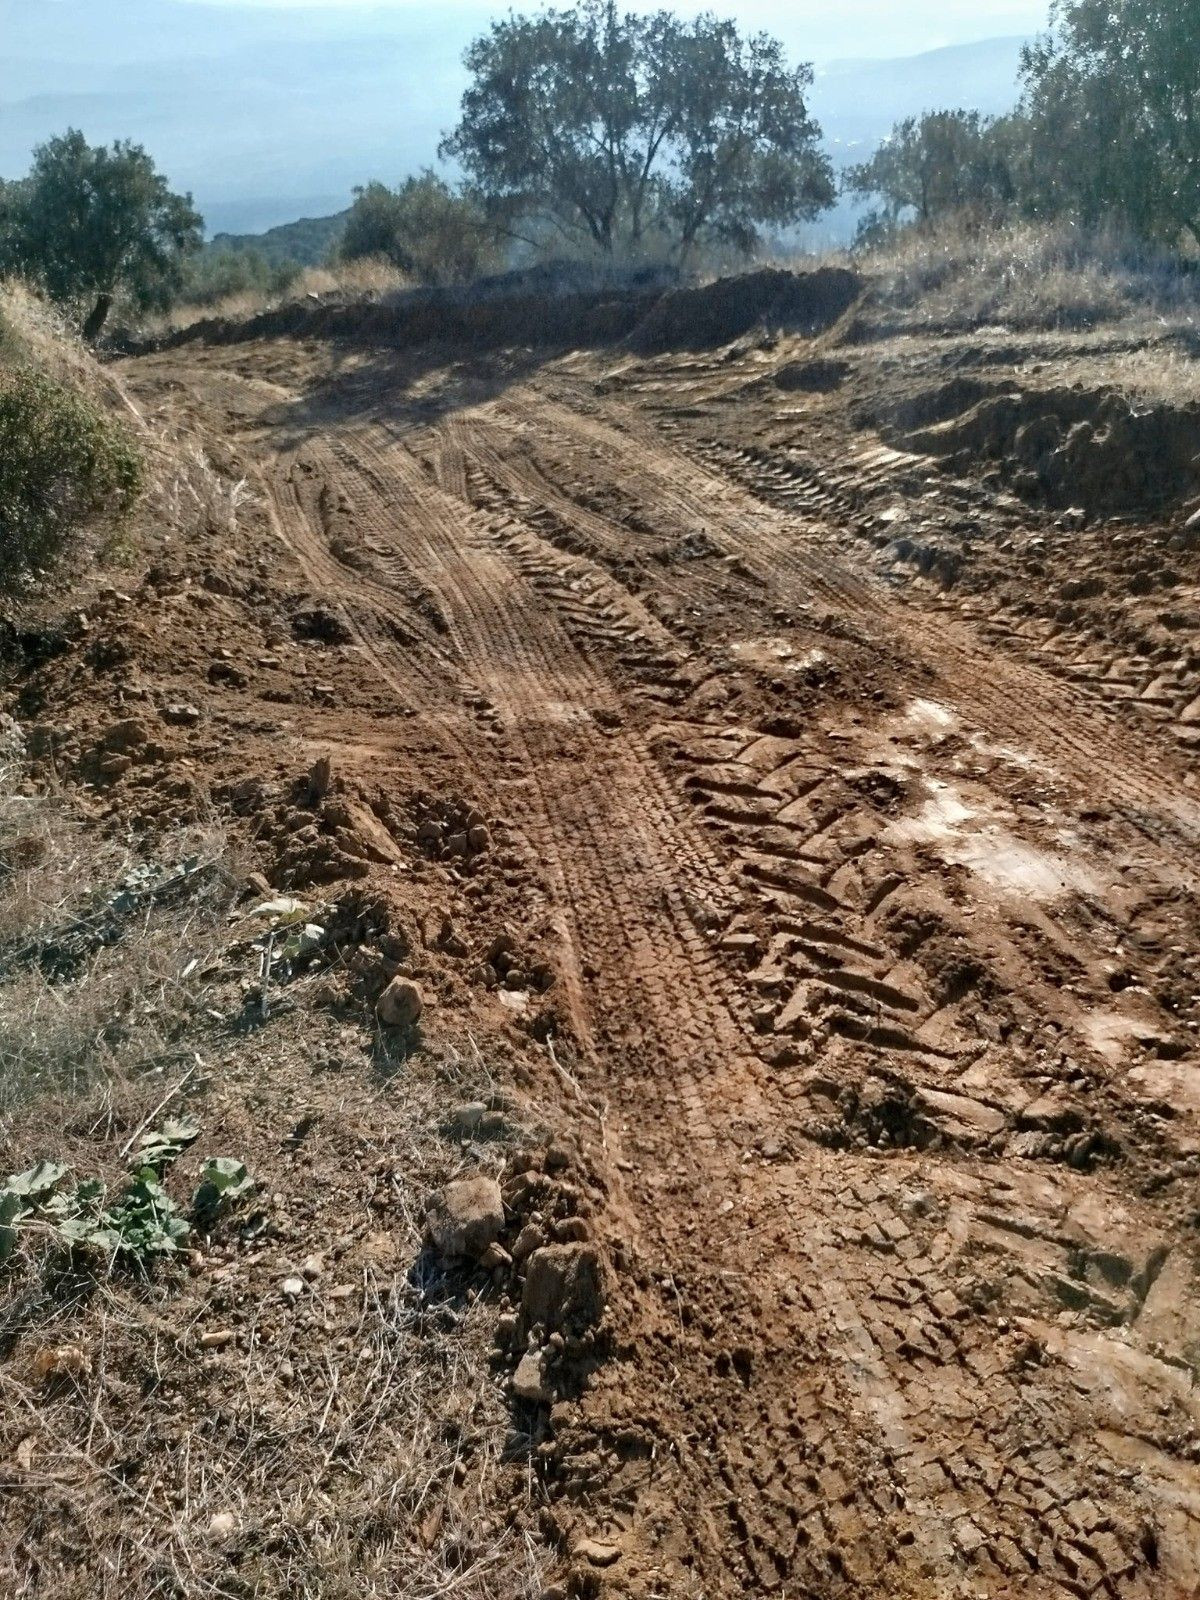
[941,164]
[1113,96]
[620,132]
[90,223]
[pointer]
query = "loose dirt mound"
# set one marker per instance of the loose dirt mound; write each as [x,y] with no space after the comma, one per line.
[698,319]
[1063,447]
[651,320]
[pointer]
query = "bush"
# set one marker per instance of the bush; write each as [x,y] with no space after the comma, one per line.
[63,463]
[215,275]
[424,228]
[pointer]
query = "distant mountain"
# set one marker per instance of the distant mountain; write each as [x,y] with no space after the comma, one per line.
[858,102]
[307,241]
[268,113]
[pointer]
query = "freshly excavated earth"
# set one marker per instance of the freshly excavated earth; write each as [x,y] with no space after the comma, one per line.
[853,806]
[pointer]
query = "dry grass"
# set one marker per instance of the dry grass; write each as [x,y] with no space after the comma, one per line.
[33,333]
[1032,277]
[93,998]
[353,1443]
[372,278]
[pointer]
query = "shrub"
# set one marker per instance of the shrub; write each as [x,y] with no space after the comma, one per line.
[215,275]
[63,463]
[424,228]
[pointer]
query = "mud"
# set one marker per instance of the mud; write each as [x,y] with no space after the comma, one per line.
[836,884]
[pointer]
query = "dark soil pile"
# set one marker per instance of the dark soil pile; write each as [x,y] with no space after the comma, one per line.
[1061,447]
[651,320]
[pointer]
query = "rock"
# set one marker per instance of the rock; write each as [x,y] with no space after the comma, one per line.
[61,1361]
[292,1288]
[180,715]
[222,1525]
[312,1267]
[529,1239]
[466,1118]
[1056,1111]
[596,1553]
[401,1004]
[503,944]
[495,1256]
[564,1289]
[465,1217]
[531,1381]
[128,735]
[478,838]
[319,778]
[217,1338]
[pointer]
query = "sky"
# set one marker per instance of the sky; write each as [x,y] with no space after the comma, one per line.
[830,29]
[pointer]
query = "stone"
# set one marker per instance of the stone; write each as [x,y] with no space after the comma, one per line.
[531,1381]
[223,1523]
[478,838]
[565,1289]
[217,1338]
[401,1004]
[180,715]
[319,778]
[466,1118]
[465,1217]
[130,734]
[293,1288]
[503,944]
[529,1239]
[596,1553]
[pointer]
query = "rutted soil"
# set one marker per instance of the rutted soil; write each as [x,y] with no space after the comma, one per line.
[842,866]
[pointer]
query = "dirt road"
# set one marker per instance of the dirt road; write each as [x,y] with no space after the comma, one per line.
[867,901]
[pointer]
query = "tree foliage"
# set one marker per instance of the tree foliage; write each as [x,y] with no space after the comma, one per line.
[90,223]
[1113,96]
[424,228]
[621,132]
[940,164]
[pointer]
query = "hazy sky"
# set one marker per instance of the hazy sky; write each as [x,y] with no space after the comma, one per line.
[837,29]
[271,109]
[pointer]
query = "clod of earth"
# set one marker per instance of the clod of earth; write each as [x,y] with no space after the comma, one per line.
[465,1217]
[401,1004]
[565,1289]
[531,1381]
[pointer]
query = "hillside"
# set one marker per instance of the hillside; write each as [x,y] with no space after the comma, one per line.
[306,241]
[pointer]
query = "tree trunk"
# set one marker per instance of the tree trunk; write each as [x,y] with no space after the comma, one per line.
[97,317]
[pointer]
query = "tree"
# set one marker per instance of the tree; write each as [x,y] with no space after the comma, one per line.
[425,228]
[89,223]
[943,163]
[1112,92]
[619,132]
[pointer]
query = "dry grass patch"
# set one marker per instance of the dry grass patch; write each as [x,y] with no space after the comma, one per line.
[1032,277]
[303,1401]
[370,278]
